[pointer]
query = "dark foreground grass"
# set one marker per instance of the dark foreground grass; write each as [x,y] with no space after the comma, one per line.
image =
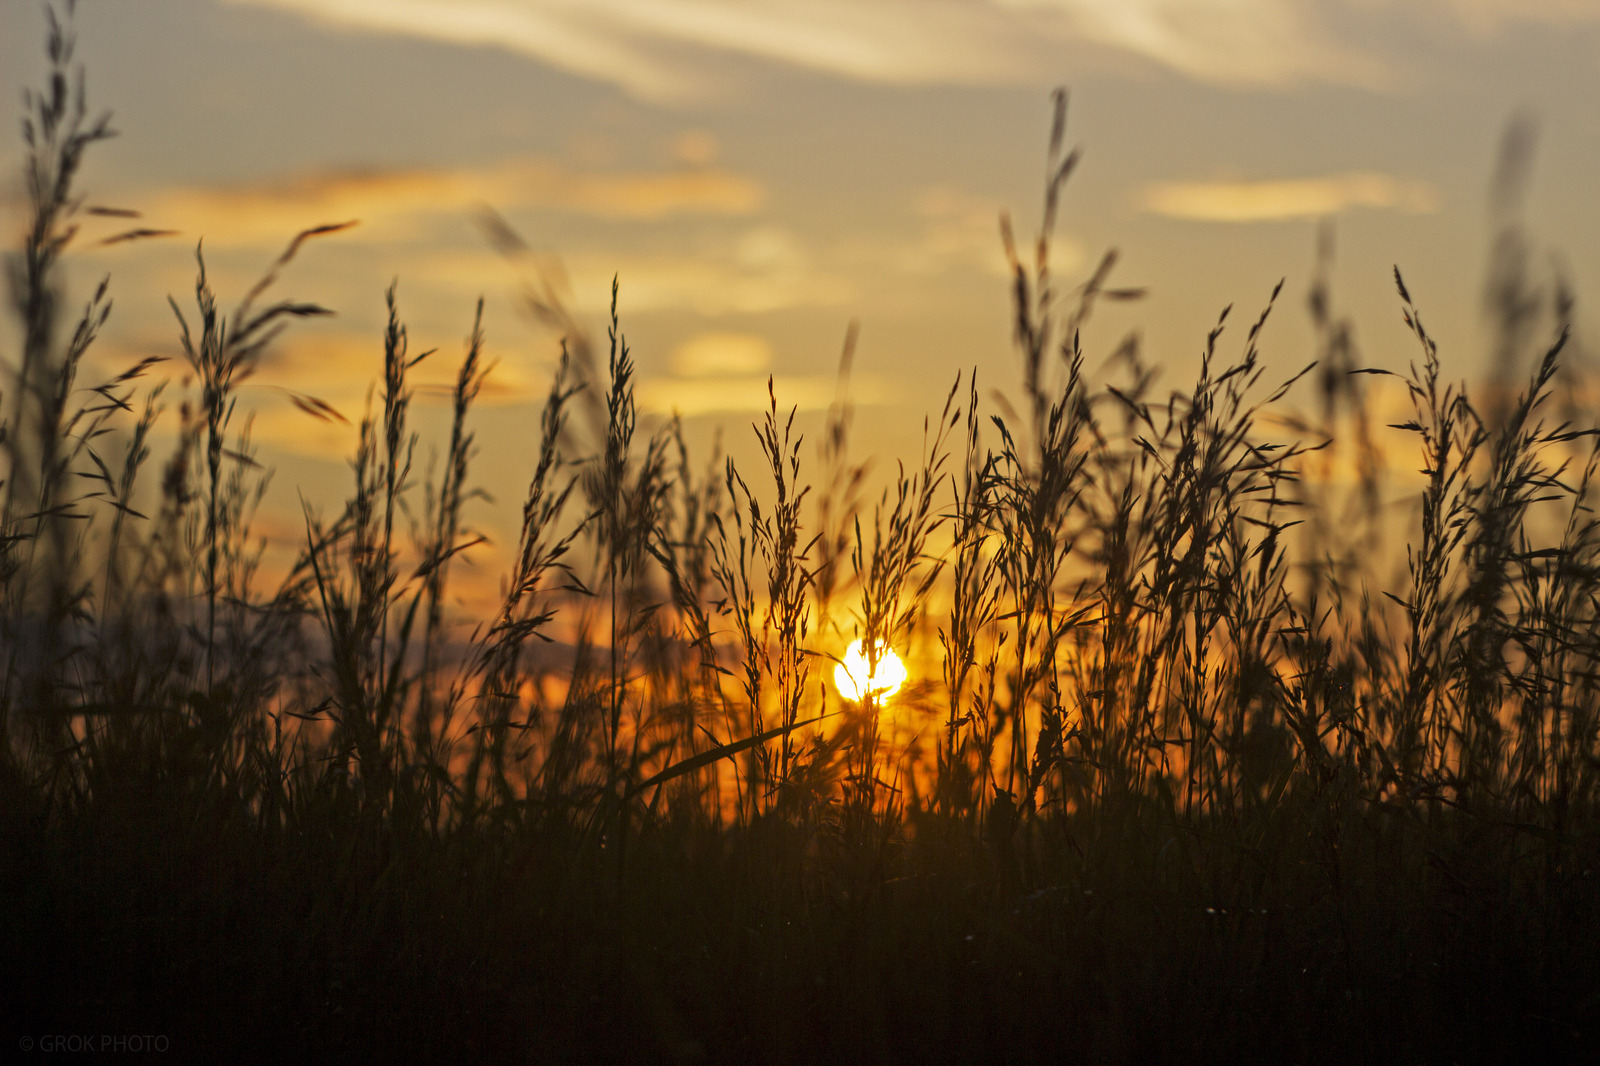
[1199,779]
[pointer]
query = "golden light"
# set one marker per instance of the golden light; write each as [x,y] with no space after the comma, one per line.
[849,675]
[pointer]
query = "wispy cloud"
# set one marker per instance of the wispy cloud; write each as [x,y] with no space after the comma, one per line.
[392,203]
[656,49]
[638,44]
[959,228]
[765,267]
[1272,201]
[1215,41]
[1489,16]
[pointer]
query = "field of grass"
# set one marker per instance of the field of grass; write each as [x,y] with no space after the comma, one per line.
[1185,770]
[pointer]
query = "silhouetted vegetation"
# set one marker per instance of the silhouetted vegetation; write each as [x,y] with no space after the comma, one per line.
[1192,776]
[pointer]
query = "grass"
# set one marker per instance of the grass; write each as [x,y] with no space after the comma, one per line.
[1199,780]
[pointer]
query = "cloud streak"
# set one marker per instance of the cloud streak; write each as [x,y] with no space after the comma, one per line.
[639,44]
[657,49]
[1276,201]
[1489,16]
[396,201]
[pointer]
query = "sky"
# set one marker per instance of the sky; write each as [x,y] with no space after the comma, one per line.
[759,174]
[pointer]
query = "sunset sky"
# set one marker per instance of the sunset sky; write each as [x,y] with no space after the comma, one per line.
[760,173]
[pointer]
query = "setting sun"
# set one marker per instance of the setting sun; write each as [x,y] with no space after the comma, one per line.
[880,683]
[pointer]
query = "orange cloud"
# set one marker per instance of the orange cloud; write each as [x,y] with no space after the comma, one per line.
[1273,201]
[394,203]
[713,354]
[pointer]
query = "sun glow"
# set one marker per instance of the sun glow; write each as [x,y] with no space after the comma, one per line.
[885,681]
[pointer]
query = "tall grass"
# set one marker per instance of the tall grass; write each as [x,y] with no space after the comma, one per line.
[1206,785]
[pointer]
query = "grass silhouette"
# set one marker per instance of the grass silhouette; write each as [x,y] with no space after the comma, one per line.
[1203,784]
